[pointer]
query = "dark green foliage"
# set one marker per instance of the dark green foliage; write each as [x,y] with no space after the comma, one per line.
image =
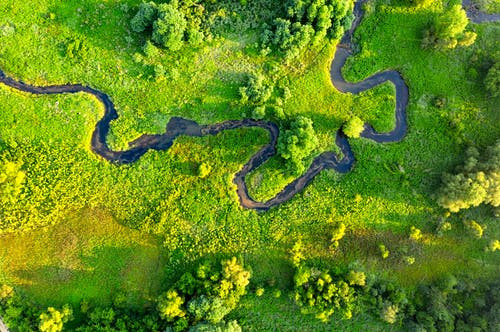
[172,23]
[452,305]
[307,23]
[387,300]
[492,80]
[17,312]
[297,143]
[143,20]
[477,181]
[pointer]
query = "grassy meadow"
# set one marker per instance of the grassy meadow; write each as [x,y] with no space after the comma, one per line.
[85,229]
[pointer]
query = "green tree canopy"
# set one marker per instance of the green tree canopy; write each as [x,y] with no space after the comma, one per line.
[169,28]
[477,182]
[298,142]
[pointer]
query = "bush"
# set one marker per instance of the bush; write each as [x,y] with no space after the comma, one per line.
[257,90]
[204,170]
[338,233]
[207,295]
[474,228]
[493,246]
[383,251]
[53,320]
[415,233]
[353,127]
[492,80]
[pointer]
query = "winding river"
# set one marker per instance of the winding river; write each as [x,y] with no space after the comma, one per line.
[179,126]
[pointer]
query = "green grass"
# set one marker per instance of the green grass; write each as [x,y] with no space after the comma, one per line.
[90,228]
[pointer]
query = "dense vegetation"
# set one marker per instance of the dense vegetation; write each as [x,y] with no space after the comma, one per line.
[89,245]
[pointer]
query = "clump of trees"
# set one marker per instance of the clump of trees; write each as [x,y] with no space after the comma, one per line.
[198,301]
[206,296]
[325,292]
[297,143]
[447,31]
[53,320]
[266,98]
[171,24]
[477,181]
[387,300]
[307,23]
[449,304]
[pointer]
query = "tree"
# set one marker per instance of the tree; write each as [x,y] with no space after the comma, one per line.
[478,181]
[53,320]
[169,28]
[353,127]
[448,30]
[298,142]
[492,80]
[170,305]
[147,14]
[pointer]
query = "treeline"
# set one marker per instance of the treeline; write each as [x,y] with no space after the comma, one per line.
[289,27]
[307,23]
[447,303]
[198,301]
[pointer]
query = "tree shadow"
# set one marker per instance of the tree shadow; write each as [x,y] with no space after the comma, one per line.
[135,271]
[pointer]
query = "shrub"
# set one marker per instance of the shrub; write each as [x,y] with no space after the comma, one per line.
[383,251]
[257,90]
[169,306]
[353,127]
[338,233]
[493,246]
[492,80]
[474,228]
[207,295]
[204,170]
[415,233]
[356,278]
[259,112]
[53,320]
